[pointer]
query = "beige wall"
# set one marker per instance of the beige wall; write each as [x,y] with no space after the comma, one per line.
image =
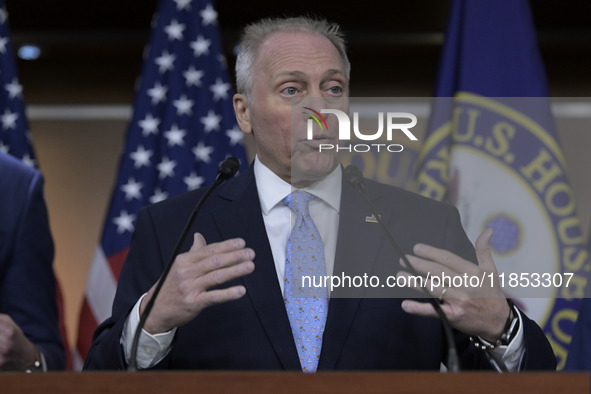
[79,160]
[576,145]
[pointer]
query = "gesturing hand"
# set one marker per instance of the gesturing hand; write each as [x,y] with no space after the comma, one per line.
[187,289]
[474,310]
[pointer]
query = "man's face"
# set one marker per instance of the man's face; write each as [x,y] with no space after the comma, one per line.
[292,71]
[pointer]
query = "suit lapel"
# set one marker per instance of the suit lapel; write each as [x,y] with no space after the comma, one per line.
[357,247]
[243,218]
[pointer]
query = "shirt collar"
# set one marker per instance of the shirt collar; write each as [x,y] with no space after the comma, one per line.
[272,189]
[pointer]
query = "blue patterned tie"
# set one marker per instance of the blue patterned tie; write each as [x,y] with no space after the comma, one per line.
[306,307]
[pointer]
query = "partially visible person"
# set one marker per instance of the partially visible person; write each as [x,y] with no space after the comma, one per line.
[579,351]
[29,335]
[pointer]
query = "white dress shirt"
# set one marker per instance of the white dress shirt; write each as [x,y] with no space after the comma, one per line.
[279,220]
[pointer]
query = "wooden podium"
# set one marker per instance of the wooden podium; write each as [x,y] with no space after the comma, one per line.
[292,382]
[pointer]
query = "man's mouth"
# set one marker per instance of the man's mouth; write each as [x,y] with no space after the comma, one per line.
[317,140]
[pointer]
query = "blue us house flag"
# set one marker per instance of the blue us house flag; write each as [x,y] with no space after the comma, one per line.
[183,127]
[492,150]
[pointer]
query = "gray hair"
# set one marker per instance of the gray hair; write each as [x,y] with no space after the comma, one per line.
[256,33]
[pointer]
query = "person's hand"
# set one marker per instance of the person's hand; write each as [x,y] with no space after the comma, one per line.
[16,351]
[481,309]
[186,290]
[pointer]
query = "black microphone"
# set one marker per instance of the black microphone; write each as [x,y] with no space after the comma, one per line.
[355,178]
[227,170]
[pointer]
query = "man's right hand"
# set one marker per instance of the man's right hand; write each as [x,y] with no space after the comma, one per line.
[17,352]
[186,290]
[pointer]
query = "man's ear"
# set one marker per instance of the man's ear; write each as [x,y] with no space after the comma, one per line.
[242,111]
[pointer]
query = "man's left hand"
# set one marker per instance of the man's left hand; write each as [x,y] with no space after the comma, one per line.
[475,310]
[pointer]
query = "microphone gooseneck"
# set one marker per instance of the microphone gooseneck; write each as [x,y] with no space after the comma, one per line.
[227,170]
[355,178]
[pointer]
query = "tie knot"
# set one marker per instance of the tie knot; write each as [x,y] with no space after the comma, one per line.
[299,201]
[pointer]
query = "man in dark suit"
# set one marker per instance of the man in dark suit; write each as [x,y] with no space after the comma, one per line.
[29,333]
[217,311]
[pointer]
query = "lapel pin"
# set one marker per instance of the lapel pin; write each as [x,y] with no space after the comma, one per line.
[372,219]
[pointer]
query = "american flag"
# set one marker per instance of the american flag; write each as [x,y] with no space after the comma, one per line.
[15,138]
[14,127]
[183,126]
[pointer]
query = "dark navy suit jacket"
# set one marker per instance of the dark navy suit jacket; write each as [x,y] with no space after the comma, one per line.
[254,331]
[579,350]
[27,281]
